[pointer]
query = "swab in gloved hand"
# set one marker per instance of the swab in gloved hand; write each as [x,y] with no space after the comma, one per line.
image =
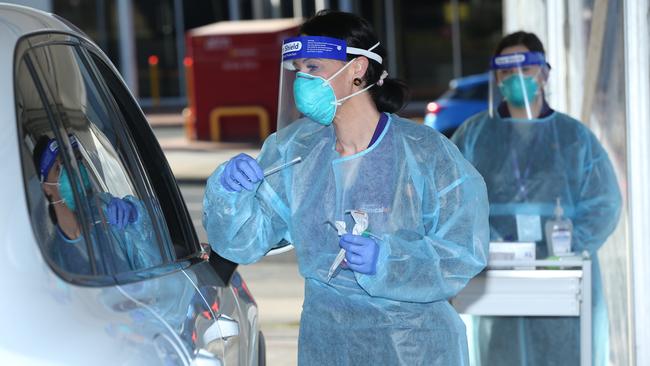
[280,167]
[243,172]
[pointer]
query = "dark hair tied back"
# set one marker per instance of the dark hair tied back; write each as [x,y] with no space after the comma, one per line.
[392,94]
[521,38]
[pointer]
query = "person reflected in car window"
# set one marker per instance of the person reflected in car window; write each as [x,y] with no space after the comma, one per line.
[128,223]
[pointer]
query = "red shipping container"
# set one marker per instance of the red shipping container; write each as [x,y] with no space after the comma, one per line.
[233,71]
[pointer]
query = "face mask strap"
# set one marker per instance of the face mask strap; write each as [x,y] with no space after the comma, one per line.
[360,52]
[338,72]
[340,101]
[380,82]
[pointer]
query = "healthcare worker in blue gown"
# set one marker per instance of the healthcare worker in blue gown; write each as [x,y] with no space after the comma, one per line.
[426,206]
[127,221]
[530,156]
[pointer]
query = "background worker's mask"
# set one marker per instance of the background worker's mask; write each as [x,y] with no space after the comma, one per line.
[519,91]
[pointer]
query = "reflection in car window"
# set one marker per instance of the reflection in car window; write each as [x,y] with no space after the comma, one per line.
[174,212]
[56,225]
[116,199]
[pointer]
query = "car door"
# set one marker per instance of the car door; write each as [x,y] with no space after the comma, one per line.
[142,261]
[236,318]
[72,313]
[235,334]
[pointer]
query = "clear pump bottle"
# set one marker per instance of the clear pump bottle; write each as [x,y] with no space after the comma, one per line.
[559,233]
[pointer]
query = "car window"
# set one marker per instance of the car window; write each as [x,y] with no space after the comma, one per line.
[59,224]
[122,207]
[176,216]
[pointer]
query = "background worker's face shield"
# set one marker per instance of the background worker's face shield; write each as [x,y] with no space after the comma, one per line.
[309,66]
[518,80]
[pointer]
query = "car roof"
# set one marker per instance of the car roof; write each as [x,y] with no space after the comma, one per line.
[17,21]
[469,81]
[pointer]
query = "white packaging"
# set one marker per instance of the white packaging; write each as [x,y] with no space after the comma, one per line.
[512,251]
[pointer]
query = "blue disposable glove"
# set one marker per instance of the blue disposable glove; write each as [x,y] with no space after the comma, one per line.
[121,212]
[360,252]
[242,171]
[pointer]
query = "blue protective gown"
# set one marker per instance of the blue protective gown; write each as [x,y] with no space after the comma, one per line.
[424,200]
[135,245]
[526,165]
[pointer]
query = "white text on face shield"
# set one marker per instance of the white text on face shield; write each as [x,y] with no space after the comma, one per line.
[516,58]
[291,47]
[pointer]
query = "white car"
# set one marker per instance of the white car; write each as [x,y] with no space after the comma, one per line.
[80,284]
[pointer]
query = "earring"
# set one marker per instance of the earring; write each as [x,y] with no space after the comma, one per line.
[356,81]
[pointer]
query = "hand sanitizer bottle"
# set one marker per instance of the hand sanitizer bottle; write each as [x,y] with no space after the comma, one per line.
[559,232]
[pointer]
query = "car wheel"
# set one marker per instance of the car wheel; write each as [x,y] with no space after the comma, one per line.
[261,350]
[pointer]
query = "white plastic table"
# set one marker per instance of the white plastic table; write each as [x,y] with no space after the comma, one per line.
[503,291]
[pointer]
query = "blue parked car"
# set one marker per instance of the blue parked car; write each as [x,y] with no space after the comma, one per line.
[466,96]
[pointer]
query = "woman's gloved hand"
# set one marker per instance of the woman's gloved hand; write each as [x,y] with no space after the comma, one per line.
[242,171]
[121,212]
[360,253]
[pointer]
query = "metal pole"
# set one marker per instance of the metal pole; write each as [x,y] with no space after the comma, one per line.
[258,9]
[180,44]
[233,10]
[391,48]
[346,5]
[276,9]
[101,25]
[455,39]
[128,66]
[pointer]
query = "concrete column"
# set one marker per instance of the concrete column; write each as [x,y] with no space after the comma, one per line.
[128,65]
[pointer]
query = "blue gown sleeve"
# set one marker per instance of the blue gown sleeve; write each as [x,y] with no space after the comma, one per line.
[137,241]
[436,266]
[598,201]
[140,240]
[244,226]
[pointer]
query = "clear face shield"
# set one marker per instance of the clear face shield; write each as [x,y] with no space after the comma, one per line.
[309,64]
[517,85]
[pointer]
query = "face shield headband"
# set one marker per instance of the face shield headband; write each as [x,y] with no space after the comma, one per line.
[50,154]
[515,60]
[322,47]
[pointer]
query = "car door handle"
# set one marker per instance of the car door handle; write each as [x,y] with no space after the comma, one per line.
[225,327]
